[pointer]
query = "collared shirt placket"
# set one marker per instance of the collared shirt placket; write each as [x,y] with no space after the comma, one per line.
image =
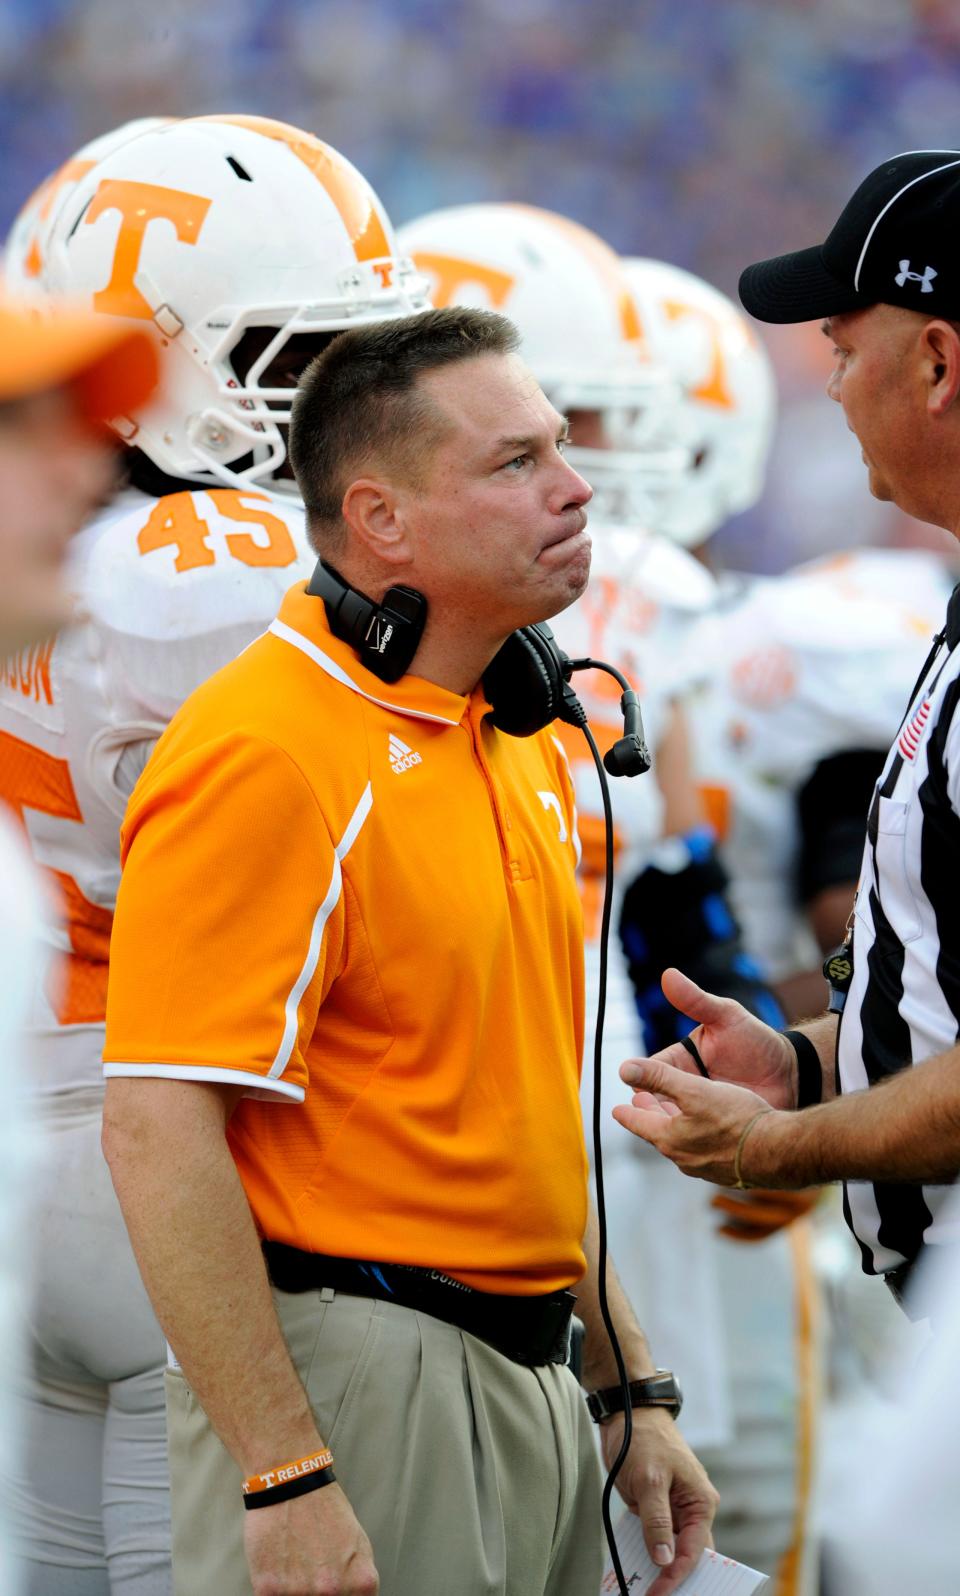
[513,862]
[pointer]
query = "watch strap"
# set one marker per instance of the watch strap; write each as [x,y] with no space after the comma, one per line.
[658,1390]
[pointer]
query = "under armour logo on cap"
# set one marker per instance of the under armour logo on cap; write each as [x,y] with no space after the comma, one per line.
[924,278]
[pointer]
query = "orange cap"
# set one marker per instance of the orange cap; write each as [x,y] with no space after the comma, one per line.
[112,369]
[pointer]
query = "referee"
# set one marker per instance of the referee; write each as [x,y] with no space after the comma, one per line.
[878,1077]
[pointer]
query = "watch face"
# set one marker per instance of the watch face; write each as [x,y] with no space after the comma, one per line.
[676,1393]
[665,1388]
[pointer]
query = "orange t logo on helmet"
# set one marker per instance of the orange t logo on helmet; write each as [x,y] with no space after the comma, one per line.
[715,388]
[140,204]
[451,275]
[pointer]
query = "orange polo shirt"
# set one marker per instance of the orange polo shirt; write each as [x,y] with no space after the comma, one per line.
[357,900]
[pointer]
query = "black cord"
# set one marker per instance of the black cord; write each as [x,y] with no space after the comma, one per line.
[620,1458]
[599,665]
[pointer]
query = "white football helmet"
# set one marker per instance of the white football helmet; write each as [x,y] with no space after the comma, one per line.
[25,250]
[240,242]
[566,292]
[728,396]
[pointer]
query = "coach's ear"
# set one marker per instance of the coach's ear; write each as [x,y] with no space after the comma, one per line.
[374,516]
[940,348]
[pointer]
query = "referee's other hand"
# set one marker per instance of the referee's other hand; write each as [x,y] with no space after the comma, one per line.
[735,1047]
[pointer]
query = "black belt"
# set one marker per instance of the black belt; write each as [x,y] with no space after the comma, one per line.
[530,1330]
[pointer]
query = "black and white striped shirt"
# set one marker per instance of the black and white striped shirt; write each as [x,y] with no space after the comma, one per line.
[904,1002]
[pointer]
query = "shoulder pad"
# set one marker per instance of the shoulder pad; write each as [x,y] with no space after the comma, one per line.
[662,572]
[190,562]
[176,587]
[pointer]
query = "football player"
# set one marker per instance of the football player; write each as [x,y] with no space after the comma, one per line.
[765,1324]
[241,245]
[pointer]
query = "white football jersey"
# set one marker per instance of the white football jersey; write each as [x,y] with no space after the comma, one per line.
[802,667]
[166,591]
[643,600]
[640,613]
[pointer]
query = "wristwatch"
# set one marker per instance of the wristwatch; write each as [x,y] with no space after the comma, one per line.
[659,1390]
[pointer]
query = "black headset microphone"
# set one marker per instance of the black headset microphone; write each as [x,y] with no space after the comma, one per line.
[527,684]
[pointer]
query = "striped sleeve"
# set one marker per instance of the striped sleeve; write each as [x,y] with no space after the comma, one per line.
[230,920]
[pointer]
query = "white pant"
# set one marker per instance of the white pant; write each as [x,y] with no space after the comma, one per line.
[92,1507]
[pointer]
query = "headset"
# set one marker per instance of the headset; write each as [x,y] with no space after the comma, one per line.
[527,684]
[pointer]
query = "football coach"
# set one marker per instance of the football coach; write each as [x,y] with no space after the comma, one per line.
[344,1026]
[877,1079]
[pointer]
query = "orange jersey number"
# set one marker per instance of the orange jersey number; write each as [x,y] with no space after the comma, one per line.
[175,523]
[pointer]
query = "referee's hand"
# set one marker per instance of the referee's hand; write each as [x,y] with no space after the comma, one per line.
[701,1126]
[309,1546]
[736,1047]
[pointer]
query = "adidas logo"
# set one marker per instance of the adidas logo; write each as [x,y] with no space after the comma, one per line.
[402,757]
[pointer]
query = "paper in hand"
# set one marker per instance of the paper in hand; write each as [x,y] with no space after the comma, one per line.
[715,1575]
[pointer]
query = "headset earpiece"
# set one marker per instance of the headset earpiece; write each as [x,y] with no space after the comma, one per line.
[386,635]
[527,683]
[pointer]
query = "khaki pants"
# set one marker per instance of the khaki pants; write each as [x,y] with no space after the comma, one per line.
[468,1472]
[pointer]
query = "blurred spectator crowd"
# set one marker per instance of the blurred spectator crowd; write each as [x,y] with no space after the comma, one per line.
[705,134]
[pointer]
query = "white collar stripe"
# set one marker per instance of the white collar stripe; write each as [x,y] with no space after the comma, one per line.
[297,639]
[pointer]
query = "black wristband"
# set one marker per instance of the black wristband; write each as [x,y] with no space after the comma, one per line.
[809,1069]
[290,1488]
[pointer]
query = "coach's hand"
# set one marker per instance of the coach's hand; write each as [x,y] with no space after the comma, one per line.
[734,1045]
[664,1484]
[309,1546]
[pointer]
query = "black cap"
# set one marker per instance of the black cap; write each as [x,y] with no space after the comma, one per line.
[897,242]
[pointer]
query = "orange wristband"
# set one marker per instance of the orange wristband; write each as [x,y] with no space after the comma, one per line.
[288,1473]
